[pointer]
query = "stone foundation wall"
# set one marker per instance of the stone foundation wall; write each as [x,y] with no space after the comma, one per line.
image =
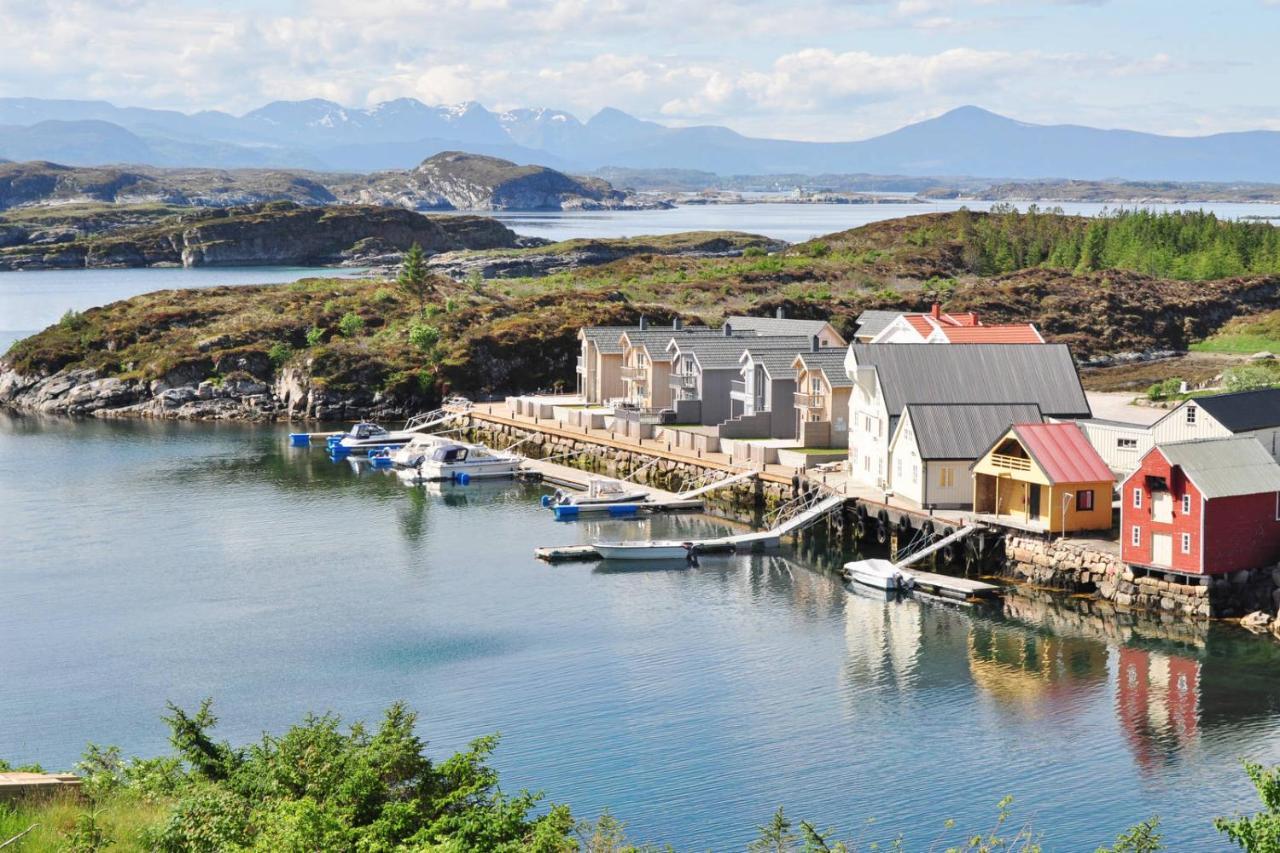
[1076,567]
[746,502]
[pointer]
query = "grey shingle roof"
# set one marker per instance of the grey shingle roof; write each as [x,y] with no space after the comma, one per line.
[951,431]
[1224,467]
[606,337]
[1043,374]
[1244,410]
[656,340]
[715,352]
[773,326]
[872,323]
[777,360]
[831,362]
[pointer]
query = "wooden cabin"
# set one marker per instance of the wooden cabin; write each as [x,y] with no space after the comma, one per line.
[1044,477]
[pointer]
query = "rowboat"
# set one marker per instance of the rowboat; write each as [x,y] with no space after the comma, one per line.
[647,550]
[880,574]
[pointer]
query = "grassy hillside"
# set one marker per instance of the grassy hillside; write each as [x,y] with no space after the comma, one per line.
[493,336]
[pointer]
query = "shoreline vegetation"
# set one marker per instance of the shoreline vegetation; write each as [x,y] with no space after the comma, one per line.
[323,786]
[1118,289]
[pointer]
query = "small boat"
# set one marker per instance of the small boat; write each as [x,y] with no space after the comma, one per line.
[880,574]
[600,490]
[654,550]
[417,450]
[462,463]
[369,436]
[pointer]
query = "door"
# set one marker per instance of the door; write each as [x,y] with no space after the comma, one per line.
[1033,501]
[1162,507]
[1162,549]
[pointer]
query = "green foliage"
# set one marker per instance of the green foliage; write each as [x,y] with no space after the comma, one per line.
[383,296]
[1259,833]
[279,353]
[818,249]
[1140,838]
[72,321]
[424,337]
[1249,377]
[414,279]
[1165,389]
[476,281]
[754,252]
[315,336]
[88,836]
[351,325]
[775,836]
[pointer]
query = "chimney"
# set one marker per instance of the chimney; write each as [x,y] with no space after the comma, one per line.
[677,324]
[644,322]
[936,311]
[781,313]
[814,343]
[728,330]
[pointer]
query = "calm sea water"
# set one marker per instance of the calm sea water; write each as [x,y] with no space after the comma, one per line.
[149,562]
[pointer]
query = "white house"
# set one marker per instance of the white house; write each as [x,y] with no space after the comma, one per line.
[888,377]
[1245,413]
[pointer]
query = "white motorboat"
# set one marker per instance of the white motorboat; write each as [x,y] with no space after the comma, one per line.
[600,490]
[370,436]
[418,449]
[880,574]
[461,462]
[655,550]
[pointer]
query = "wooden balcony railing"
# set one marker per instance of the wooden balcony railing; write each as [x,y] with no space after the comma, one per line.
[1010,463]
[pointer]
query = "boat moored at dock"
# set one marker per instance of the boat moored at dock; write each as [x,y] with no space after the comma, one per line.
[461,462]
[648,550]
[600,490]
[879,574]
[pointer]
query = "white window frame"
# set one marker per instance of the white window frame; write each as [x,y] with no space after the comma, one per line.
[1186,504]
[1191,415]
[1186,543]
[1135,536]
[1137,498]
[1126,444]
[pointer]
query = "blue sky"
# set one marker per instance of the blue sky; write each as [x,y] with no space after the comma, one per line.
[818,69]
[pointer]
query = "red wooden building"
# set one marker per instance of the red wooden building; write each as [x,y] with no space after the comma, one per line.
[1202,508]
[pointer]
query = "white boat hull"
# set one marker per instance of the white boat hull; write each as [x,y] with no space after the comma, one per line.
[476,470]
[878,574]
[642,550]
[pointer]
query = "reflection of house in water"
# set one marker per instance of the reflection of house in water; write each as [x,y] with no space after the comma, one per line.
[1157,701]
[1032,670]
[903,643]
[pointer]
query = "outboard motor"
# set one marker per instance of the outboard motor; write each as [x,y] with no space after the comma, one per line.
[691,554]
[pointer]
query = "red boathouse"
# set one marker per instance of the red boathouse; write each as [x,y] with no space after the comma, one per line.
[1202,508]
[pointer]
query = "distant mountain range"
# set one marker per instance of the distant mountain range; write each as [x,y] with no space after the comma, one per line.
[322,135]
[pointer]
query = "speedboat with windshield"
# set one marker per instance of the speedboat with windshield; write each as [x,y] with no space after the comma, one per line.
[600,490]
[370,436]
[461,462]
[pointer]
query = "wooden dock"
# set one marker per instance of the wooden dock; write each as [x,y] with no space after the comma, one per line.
[958,589]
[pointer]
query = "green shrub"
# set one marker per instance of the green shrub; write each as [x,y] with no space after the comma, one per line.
[279,353]
[754,252]
[72,320]
[424,337]
[315,336]
[1249,377]
[384,296]
[350,325]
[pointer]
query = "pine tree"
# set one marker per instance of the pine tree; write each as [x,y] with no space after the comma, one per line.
[413,278]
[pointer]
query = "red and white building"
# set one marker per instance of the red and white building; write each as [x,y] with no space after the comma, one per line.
[939,327]
[1202,508]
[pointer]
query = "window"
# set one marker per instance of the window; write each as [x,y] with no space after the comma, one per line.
[1135,536]
[1084,500]
[1186,543]
[915,474]
[946,477]
[1137,498]
[1126,444]
[1191,415]
[1186,504]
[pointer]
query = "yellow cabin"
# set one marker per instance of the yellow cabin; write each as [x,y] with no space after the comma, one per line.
[1044,477]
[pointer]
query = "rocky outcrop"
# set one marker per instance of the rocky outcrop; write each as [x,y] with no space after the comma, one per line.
[587,253]
[276,233]
[454,180]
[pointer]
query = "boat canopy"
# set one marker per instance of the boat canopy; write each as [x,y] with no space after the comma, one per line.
[365,430]
[450,453]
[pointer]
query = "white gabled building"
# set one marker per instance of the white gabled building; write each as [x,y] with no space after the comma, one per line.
[888,377]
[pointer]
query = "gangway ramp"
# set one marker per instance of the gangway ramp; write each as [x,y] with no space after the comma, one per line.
[718,484]
[935,547]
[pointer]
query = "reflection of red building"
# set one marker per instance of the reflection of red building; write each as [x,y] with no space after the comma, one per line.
[1157,700]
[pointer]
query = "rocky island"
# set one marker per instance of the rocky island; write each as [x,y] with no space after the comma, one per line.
[337,349]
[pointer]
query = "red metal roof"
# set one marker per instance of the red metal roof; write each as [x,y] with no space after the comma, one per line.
[1063,452]
[1013,333]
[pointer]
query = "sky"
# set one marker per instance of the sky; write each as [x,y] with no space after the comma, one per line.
[809,69]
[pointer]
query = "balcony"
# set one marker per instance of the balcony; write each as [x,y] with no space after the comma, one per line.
[738,390]
[1010,463]
[635,374]
[581,366]
[683,381]
[810,401]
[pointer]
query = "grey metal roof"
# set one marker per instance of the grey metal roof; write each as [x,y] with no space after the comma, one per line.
[871,323]
[961,431]
[1244,410]
[777,361]
[774,326]
[656,340]
[1224,467]
[718,352]
[831,362]
[606,337]
[1113,423]
[1043,374]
